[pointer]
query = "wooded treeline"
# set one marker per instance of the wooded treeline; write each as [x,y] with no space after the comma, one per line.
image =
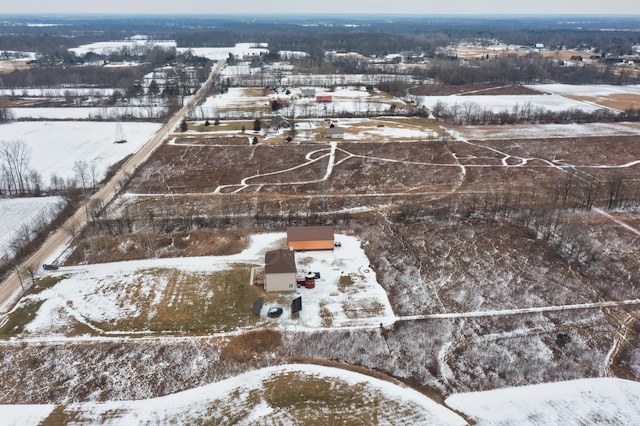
[474,114]
[514,69]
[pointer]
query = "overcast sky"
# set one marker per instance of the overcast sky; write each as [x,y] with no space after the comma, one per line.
[621,7]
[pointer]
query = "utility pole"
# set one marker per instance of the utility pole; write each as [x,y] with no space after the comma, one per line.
[20,279]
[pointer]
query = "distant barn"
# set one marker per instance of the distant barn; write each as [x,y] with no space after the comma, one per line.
[310,238]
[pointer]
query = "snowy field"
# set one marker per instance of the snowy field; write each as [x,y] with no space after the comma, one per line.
[536,131]
[55,146]
[577,402]
[116,292]
[240,50]
[134,44]
[57,92]
[17,213]
[253,398]
[586,89]
[87,113]
[141,43]
[497,103]
[553,97]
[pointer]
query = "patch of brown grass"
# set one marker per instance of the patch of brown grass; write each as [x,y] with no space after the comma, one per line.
[620,101]
[255,344]
[144,245]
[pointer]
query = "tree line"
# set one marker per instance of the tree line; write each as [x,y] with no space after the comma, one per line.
[514,69]
[473,114]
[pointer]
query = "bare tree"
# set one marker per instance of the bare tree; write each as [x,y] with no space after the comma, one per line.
[31,270]
[72,229]
[14,157]
[81,170]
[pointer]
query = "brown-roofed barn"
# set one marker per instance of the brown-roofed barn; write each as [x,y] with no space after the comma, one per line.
[310,238]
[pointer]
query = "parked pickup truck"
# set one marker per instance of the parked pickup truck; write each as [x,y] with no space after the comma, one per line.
[49,267]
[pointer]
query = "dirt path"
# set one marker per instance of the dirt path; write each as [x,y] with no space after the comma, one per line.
[618,221]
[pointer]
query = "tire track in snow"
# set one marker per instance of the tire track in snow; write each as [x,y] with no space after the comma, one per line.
[518,311]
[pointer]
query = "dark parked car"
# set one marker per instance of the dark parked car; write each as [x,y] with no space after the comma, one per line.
[48,267]
[275,312]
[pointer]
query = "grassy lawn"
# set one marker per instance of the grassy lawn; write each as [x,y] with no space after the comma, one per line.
[191,302]
[154,300]
[15,323]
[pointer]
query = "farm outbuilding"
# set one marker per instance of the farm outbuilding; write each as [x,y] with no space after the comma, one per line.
[310,238]
[280,270]
[334,132]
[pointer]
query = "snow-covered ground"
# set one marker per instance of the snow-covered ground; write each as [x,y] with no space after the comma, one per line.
[88,113]
[245,398]
[536,131]
[99,293]
[134,44]
[553,97]
[141,43]
[240,50]
[576,402]
[17,213]
[343,101]
[55,146]
[49,92]
[586,89]
[497,103]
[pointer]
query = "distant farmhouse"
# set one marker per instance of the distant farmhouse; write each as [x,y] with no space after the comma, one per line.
[278,122]
[310,238]
[280,271]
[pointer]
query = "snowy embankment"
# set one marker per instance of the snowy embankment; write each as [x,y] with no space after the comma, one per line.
[246,399]
[575,402]
[55,146]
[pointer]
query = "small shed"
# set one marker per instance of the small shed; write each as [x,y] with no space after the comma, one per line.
[310,238]
[334,132]
[308,91]
[280,271]
[324,98]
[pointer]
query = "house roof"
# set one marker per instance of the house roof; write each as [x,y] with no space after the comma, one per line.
[307,233]
[334,131]
[279,261]
[278,121]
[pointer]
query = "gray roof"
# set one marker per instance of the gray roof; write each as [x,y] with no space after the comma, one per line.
[279,121]
[334,131]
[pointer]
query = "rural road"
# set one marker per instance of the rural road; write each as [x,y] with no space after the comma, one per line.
[11,289]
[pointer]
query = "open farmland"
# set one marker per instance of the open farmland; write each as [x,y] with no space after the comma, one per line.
[491,257]
[56,145]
